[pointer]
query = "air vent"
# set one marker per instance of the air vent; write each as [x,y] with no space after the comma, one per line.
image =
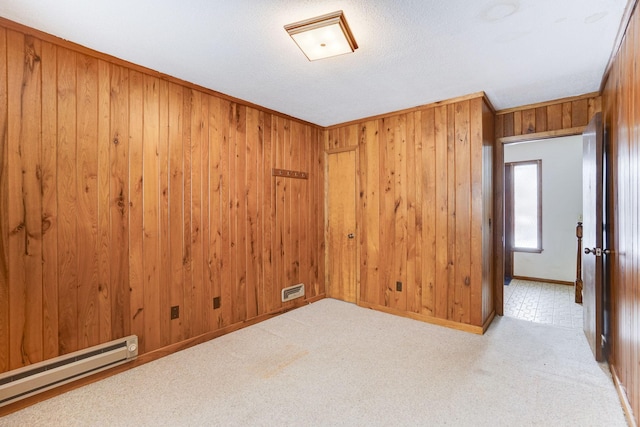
[293,292]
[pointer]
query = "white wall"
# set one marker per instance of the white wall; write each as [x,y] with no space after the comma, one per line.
[561,206]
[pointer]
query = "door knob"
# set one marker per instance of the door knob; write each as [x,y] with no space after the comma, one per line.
[597,251]
[351,235]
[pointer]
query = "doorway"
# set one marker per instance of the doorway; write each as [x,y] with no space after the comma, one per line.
[543,263]
[341,226]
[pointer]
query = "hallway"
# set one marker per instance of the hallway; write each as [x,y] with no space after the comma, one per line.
[542,303]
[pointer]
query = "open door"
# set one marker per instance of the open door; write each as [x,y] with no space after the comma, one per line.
[592,235]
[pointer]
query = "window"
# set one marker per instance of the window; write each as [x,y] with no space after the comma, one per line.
[527,206]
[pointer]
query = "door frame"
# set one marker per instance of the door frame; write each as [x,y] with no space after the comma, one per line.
[499,202]
[508,221]
[327,153]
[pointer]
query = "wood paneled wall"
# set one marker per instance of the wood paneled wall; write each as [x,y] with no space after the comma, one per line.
[425,195]
[123,193]
[621,108]
[559,117]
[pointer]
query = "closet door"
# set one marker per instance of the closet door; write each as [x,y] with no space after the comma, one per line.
[341,229]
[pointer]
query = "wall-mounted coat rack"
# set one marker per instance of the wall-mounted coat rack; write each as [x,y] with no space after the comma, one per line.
[289,174]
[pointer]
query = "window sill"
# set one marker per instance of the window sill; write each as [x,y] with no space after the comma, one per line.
[527,250]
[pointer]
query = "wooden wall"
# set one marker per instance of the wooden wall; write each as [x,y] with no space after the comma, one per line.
[123,193]
[424,195]
[554,118]
[621,108]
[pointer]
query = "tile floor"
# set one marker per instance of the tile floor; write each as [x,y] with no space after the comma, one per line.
[543,303]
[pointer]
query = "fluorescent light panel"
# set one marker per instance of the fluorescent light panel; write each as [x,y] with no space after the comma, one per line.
[324,36]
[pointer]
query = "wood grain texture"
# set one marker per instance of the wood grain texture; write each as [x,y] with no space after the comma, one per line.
[215,211]
[413,284]
[30,146]
[4,209]
[194,308]
[341,226]
[425,200]
[175,281]
[369,155]
[479,184]
[620,107]
[68,256]
[491,305]
[119,201]
[87,200]
[123,193]
[136,205]
[15,215]
[450,209]
[461,309]
[556,115]
[440,223]
[151,243]
[103,202]
[164,279]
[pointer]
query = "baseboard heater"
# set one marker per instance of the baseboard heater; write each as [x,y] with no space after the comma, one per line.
[293,292]
[38,377]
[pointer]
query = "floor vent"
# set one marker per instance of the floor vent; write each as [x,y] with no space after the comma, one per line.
[293,292]
[38,377]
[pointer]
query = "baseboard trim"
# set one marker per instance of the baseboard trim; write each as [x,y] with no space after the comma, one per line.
[154,355]
[487,322]
[479,330]
[624,400]
[538,279]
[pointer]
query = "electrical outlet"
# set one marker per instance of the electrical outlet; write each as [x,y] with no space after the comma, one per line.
[216,303]
[175,312]
[399,286]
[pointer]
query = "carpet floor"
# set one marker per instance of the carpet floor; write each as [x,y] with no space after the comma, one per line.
[332,363]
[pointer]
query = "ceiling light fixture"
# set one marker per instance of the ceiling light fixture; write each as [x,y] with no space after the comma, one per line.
[323,36]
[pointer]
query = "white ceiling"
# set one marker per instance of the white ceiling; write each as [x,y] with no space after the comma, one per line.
[411,52]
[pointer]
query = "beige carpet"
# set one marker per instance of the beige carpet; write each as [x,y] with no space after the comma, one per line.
[333,363]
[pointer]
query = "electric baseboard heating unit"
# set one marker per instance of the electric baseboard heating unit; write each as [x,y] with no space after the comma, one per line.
[38,377]
[293,292]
